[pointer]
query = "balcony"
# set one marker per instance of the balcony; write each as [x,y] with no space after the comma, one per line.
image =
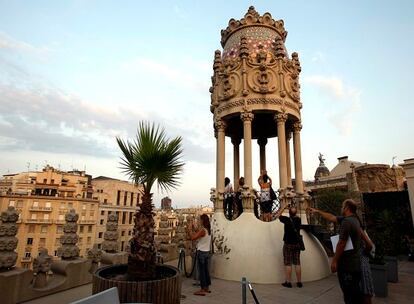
[87,222]
[26,259]
[38,221]
[37,208]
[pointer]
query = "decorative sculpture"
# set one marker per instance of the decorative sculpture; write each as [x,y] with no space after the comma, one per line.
[95,255]
[41,267]
[110,243]
[69,250]
[8,240]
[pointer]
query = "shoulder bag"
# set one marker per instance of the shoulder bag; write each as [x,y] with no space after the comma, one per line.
[300,237]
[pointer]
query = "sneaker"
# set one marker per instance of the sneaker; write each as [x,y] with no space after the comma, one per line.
[287,285]
[299,284]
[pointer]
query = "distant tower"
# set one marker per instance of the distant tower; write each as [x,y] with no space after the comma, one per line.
[255,94]
[166,203]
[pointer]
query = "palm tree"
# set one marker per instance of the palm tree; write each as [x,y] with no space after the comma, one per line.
[150,158]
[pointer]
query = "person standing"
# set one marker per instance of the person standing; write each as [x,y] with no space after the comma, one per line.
[238,198]
[366,283]
[203,235]
[266,202]
[228,198]
[348,263]
[291,247]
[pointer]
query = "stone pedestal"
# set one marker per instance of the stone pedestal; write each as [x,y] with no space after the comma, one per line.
[11,284]
[258,247]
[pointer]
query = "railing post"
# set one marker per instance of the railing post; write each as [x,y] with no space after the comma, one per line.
[244,283]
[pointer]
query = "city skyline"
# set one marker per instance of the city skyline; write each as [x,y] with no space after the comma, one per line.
[75,74]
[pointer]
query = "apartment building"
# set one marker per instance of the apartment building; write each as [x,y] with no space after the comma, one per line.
[42,199]
[117,196]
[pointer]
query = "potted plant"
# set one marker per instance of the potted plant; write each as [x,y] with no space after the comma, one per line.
[151,158]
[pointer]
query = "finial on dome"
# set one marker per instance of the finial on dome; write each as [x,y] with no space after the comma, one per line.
[279,47]
[252,11]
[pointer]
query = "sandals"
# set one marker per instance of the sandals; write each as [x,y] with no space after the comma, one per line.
[200,293]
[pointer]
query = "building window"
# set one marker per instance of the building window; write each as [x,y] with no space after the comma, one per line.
[118,197]
[56,253]
[99,246]
[89,229]
[83,206]
[31,229]
[27,254]
[44,181]
[125,198]
[70,205]
[29,241]
[131,216]
[80,240]
[46,216]
[59,229]
[62,205]
[48,205]
[129,232]
[52,181]
[33,216]
[105,201]
[43,229]
[91,213]
[122,232]
[124,217]
[100,235]
[101,222]
[81,229]
[35,204]
[88,240]
[11,203]
[132,199]
[103,212]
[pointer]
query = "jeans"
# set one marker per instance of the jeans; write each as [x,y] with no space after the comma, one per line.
[349,282]
[202,262]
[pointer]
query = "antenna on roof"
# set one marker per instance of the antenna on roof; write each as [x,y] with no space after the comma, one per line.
[28,166]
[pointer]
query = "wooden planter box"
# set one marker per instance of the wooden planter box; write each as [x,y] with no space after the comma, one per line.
[379,278]
[162,291]
[392,270]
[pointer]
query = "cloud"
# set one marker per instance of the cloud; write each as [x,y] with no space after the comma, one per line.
[9,43]
[35,115]
[318,57]
[344,100]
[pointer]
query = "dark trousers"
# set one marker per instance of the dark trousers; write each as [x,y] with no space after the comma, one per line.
[239,203]
[228,207]
[202,262]
[349,282]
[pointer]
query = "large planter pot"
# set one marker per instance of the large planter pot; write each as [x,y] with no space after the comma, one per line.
[379,278]
[392,270]
[166,290]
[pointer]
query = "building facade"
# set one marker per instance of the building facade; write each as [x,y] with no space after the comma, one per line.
[42,199]
[117,196]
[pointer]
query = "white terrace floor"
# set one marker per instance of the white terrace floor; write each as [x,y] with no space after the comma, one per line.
[223,292]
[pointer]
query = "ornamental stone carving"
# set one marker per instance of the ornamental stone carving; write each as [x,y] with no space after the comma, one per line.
[247,116]
[69,239]
[297,126]
[110,243]
[95,255]
[220,125]
[164,233]
[255,64]
[8,240]
[180,233]
[41,267]
[281,117]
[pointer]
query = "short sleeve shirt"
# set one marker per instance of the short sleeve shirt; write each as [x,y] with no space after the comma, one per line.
[350,259]
[291,236]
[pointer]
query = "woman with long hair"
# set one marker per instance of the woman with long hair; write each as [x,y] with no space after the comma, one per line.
[266,202]
[203,235]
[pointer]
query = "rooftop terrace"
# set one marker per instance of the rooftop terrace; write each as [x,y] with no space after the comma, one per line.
[322,291]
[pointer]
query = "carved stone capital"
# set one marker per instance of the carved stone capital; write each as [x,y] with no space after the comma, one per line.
[297,126]
[246,116]
[281,117]
[220,125]
[262,141]
[288,134]
[236,141]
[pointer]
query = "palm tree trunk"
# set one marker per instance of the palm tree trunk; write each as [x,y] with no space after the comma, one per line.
[142,256]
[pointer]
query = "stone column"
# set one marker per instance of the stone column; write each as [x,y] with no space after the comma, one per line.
[247,118]
[220,127]
[281,120]
[297,126]
[262,144]
[110,243]
[8,239]
[69,250]
[288,162]
[236,161]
